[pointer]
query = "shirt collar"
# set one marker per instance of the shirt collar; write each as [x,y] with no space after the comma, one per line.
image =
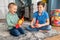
[11,13]
[42,13]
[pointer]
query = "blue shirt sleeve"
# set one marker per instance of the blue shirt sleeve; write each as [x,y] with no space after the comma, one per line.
[46,14]
[35,15]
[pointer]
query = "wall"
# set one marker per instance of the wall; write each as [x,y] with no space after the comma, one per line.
[34,2]
[3,8]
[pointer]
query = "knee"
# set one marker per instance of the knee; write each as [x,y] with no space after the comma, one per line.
[49,27]
[17,34]
[22,31]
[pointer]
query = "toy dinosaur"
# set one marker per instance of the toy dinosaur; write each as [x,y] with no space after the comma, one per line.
[35,25]
[20,22]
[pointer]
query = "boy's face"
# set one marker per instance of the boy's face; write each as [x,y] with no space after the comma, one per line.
[13,8]
[40,8]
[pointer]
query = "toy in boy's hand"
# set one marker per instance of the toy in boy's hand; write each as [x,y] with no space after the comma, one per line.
[37,22]
[20,22]
[35,25]
[17,25]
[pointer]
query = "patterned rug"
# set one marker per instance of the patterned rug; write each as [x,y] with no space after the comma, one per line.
[4,34]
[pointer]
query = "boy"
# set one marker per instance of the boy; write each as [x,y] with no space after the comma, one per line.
[43,19]
[12,20]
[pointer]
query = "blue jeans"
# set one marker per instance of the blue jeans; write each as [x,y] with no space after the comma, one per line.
[29,28]
[16,32]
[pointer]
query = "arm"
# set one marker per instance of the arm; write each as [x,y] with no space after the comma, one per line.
[33,22]
[47,23]
[9,22]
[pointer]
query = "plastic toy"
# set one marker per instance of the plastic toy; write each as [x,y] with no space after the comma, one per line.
[36,22]
[35,25]
[57,21]
[17,25]
[20,22]
[55,17]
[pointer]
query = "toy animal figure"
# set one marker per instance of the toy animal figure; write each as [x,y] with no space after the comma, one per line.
[17,26]
[35,25]
[20,22]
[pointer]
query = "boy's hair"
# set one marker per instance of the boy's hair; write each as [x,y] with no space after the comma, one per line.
[41,3]
[11,4]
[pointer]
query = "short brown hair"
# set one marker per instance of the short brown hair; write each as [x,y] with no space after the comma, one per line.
[11,4]
[41,3]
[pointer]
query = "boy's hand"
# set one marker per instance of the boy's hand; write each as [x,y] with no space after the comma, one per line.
[38,25]
[17,25]
[20,25]
[33,26]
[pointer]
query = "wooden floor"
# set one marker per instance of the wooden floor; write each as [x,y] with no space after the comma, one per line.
[57,37]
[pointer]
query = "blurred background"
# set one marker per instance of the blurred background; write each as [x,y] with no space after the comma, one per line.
[27,7]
